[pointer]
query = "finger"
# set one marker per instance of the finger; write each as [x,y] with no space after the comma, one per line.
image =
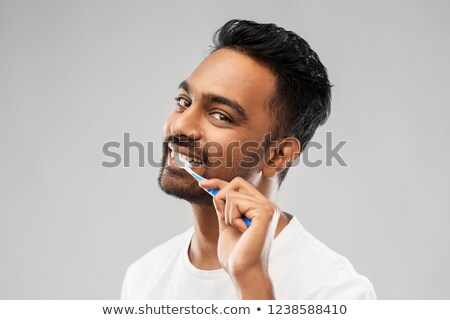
[243,186]
[238,205]
[252,208]
[219,204]
[220,218]
[216,204]
[226,211]
[230,189]
[231,194]
[230,211]
[213,183]
[235,217]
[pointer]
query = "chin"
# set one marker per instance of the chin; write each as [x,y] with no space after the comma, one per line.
[175,185]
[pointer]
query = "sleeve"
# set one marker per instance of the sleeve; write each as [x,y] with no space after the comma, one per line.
[351,287]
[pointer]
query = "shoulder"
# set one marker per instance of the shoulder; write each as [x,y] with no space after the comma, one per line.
[321,272]
[160,255]
[341,281]
[142,273]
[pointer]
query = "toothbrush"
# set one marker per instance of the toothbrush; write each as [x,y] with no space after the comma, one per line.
[187,166]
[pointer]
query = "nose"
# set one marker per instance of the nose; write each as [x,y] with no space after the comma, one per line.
[187,123]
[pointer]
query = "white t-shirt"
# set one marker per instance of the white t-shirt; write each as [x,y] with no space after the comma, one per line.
[300,267]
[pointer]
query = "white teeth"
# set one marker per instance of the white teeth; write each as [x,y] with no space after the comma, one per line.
[189,159]
[174,154]
[185,158]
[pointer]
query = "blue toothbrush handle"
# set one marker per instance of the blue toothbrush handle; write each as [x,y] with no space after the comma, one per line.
[213,192]
[247,221]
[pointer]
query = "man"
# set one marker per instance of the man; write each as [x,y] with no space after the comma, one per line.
[264,87]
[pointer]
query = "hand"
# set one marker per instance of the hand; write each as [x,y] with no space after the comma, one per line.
[243,251]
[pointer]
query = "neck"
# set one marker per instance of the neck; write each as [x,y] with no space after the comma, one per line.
[203,248]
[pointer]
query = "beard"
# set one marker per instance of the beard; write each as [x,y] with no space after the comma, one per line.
[181,187]
[180,184]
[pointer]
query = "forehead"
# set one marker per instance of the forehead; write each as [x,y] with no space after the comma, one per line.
[236,76]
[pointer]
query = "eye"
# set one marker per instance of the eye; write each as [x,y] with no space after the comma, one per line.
[221,117]
[182,102]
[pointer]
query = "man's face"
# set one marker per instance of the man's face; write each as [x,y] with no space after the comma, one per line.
[221,114]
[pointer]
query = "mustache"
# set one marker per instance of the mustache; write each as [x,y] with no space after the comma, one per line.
[188,143]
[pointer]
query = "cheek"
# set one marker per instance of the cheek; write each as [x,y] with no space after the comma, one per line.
[218,136]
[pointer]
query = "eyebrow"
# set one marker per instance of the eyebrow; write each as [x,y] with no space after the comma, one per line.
[184,85]
[211,97]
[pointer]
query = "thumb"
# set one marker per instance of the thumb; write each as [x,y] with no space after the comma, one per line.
[220,215]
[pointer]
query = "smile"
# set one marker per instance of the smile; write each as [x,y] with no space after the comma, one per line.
[176,154]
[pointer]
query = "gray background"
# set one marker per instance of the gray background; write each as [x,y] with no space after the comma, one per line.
[76,74]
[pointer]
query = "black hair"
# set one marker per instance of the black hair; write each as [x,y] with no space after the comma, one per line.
[303,94]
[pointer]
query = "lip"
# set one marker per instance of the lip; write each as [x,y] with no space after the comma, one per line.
[184,152]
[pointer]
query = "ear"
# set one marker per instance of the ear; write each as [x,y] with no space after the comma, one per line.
[280,155]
